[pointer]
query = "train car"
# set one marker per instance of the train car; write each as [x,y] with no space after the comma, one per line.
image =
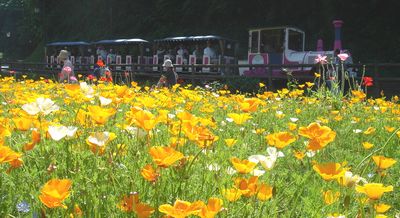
[78,50]
[122,51]
[192,50]
[285,45]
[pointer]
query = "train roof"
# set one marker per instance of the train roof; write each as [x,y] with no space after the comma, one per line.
[121,41]
[77,43]
[192,38]
[275,27]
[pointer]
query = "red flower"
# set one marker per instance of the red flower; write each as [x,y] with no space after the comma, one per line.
[100,63]
[90,77]
[368,81]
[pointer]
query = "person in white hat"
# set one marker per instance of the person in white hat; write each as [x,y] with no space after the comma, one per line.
[67,71]
[169,73]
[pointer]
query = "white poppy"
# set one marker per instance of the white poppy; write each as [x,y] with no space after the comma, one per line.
[99,138]
[273,152]
[357,130]
[268,162]
[230,171]
[257,172]
[87,90]
[294,119]
[229,120]
[310,153]
[41,105]
[257,158]
[135,131]
[350,180]
[104,101]
[213,167]
[59,132]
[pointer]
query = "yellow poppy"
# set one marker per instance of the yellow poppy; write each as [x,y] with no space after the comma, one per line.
[374,191]
[383,162]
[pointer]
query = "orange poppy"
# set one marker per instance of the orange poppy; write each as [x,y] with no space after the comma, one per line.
[265,192]
[7,155]
[131,203]
[23,123]
[248,187]
[149,173]
[280,139]
[144,119]
[381,208]
[213,207]
[319,136]
[249,105]
[330,171]
[242,166]
[165,156]
[54,192]
[232,194]
[35,140]
[100,115]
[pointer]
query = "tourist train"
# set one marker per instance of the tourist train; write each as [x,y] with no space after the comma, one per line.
[283,45]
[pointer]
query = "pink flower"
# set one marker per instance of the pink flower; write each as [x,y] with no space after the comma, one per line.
[72,78]
[343,56]
[321,59]
[67,69]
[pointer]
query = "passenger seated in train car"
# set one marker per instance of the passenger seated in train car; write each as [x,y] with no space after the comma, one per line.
[209,51]
[182,51]
[160,52]
[101,51]
[171,53]
[197,53]
[111,55]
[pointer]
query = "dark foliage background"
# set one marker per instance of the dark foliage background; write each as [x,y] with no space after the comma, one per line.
[371,30]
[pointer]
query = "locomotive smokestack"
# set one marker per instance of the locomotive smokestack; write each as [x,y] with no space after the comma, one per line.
[338,29]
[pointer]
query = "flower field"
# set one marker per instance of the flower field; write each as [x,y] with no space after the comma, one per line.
[82,150]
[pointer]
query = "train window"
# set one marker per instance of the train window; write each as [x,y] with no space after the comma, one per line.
[254,42]
[295,40]
[272,41]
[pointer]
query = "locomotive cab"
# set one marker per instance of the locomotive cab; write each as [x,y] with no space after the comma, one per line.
[272,43]
[272,46]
